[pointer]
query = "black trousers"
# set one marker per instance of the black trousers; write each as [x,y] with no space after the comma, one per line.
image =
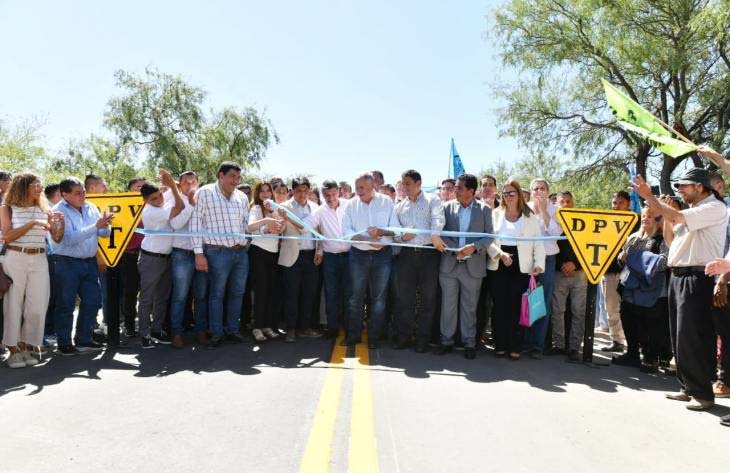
[485,308]
[301,281]
[130,287]
[508,284]
[721,318]
[263,265]
[417,273]
[647,331]
[694,340]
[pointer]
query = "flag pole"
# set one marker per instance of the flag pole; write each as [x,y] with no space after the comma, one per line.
[672,130]
[448,171]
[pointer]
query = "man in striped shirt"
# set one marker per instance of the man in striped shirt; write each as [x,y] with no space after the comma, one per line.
[223,210]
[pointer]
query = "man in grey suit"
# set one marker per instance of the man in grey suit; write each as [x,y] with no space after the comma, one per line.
[461,271]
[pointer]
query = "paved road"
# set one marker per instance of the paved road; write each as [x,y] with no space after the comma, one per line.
[305,407]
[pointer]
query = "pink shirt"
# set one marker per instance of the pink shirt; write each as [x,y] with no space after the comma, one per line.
[329,222]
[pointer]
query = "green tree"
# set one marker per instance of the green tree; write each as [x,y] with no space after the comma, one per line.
[21,147]
[96,155]
[669,55]
[162,115]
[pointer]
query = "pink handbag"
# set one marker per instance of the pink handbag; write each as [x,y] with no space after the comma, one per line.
[525,309]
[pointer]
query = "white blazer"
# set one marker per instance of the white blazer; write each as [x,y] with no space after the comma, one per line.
[530,253]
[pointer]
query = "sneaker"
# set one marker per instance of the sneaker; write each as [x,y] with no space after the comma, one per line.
[627,359]
[614,348]
[16,360]
[700,405]
[86,347]
[725,420]
[268,333]
[30,360]
[680,396]
[721,390]
[258,335]
[161,337]
[234,338]
[215,342]
[310,333]
[67,350]
[291,337]
[147,343]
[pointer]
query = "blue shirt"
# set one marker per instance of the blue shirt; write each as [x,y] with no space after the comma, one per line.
[464,221]
[80,237]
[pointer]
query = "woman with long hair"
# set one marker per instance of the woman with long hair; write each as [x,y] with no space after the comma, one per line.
[263,254]
[25,221]
[510,265]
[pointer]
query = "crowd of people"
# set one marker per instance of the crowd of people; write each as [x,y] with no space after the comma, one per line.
[280,260]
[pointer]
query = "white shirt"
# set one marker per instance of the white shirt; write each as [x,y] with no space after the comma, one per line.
[329,221]
[553,229]
[216,213]
[303,212]
[512,229]
[359,216]
[425,213]
[269,244]
[702,238]
[181,222]
[157,218]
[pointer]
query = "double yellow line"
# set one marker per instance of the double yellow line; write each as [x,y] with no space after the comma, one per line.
[362,454]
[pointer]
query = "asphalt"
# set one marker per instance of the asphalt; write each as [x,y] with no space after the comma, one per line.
[261,408]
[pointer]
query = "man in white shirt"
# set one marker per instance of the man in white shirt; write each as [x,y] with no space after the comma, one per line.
[154,259]
[220,208]
[300,268]
[370,262]
[327,219]
[182,266]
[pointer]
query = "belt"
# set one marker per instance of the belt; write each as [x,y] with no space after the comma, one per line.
[365,251]
[132,252]
[461,260]
[687,270]
[28,251]
[155,255]
[174,248]
[234,247]
[306,251]
[417,250]
[72,258]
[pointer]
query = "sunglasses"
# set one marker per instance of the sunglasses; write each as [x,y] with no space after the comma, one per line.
[509,194]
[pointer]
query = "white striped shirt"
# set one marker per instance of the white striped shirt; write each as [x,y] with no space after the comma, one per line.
[214,213]
[36,236]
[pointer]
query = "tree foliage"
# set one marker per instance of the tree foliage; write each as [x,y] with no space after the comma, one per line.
[162,115]
[20,147]
[671,56]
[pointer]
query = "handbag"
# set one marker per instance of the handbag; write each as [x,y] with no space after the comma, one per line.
[533,304]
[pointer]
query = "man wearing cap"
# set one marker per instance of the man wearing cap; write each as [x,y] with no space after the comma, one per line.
[696,237]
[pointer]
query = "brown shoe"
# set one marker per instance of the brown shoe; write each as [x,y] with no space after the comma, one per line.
[721,389]
[178,342]
[202,338]
[680,396]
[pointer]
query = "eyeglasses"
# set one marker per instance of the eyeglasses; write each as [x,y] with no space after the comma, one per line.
[509,194]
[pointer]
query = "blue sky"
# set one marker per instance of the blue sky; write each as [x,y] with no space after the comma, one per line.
[349,85]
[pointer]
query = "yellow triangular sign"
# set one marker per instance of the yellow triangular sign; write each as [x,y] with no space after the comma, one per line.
[127,209]
[596,236]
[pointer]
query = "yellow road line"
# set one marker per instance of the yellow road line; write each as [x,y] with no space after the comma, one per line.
[319,445]
[363,452]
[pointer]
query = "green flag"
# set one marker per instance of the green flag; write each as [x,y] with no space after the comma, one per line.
[635,118]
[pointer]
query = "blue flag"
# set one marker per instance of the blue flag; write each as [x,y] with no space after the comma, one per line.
[635,203]
[457,166]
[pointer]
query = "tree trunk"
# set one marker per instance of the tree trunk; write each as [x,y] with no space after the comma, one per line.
[641,154]
[668,166]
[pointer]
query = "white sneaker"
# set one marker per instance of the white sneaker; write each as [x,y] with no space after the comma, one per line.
[258,335]
[270,333]
[16,360]
[30,360]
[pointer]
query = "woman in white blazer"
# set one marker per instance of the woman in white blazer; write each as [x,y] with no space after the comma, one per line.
[510,265]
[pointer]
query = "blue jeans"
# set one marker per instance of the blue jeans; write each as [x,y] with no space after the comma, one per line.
[74,276]
[538,331]
[227,273]
[337,288]
[183,277]
[373,268]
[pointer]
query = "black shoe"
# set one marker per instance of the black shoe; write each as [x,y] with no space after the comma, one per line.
[459,346]
[614,348]
[649,368]
[67,350]
[725,420]
[665,364]
[573,357]
[373,344]
[401,345]
[421,347]
[147,343]
[130,333]
[552,351]
[350,342]
[331,334]
[470,353]
[443,350]
[161,337]
[627,360]
[86,347]
[234,338]
[215,342]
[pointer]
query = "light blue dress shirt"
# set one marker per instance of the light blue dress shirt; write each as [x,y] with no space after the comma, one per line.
[464,221]
[80,236]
